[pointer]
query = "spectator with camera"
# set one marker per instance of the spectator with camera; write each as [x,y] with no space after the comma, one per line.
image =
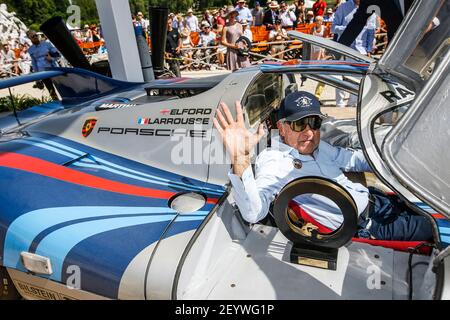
[278,35]
[43,56]
[287,16]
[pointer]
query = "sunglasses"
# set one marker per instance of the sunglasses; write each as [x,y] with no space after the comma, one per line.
[300,125]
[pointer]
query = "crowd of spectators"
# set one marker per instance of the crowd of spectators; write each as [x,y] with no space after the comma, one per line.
[226,34]
[277,18]
[90,39]
[14,57]
[221,31]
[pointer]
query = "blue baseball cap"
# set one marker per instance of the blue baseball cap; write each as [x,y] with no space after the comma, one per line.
[256,3]
[298,105]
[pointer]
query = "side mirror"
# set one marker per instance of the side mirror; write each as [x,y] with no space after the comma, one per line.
[187,202]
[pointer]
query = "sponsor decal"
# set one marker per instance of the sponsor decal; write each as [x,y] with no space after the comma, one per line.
[40,293]
[88,127]
[191,111]
[153,132]
[397,95]
[143,120]
[177,121]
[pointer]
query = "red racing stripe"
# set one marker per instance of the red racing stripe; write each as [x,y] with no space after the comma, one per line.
[51,170]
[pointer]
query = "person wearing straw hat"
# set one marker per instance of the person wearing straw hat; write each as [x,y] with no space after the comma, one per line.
[143,22]
[329,16]
[309,17]
[271,15]
[246,30]
[191,21]
[230,34]
[243,12]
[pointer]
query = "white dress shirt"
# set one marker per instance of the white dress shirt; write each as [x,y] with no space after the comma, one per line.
[275,168]
[287,18]
[342,18]
[192,23]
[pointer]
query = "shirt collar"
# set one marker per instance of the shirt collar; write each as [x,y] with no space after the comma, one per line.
[278,144]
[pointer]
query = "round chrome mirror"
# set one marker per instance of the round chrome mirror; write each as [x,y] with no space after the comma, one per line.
[187,202]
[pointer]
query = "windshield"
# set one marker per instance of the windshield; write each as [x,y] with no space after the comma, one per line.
[262,97]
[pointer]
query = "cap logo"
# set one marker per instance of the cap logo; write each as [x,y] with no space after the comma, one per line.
[304,102]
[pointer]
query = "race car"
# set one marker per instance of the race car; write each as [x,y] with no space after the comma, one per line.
[121,190]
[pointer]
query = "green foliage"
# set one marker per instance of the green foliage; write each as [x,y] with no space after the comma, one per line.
[35,12]
[21,102]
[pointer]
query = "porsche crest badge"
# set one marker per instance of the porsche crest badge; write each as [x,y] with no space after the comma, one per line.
[88,127]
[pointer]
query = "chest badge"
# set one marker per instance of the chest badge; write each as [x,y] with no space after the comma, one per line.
[297,164]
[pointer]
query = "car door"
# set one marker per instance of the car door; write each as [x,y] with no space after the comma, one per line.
[408,96]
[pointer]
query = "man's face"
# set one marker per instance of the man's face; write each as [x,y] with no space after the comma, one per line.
[357,2]
[34,37]
[283,7]
[305,141]
[241,4]
[169,22]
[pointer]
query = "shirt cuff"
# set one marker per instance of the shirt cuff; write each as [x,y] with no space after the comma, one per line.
[239,182]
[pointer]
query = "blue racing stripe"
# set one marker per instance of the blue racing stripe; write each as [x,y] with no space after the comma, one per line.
[41,145]
[444,230]
[57,245]
[153,179]
[102,269]
[445,239]
[28,226]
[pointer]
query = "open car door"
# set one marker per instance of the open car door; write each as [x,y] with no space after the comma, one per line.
[408,95]
[330,45]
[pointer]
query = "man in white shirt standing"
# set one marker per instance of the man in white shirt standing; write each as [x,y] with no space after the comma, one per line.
[246,32]
[191,21]
[243,12]
[301,153]
[286,16]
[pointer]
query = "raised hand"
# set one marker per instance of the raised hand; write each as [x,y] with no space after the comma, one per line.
[238,141]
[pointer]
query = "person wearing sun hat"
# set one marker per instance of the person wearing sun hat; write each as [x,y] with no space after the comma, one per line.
[244,12]
[329,16]
[230,34]
[246,30]
[309,17]
[299,152]
[191,21]
[271,15]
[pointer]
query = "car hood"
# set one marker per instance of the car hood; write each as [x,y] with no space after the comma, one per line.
[78,206]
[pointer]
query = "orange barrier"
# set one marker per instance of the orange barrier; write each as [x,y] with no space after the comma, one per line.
[90,45]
